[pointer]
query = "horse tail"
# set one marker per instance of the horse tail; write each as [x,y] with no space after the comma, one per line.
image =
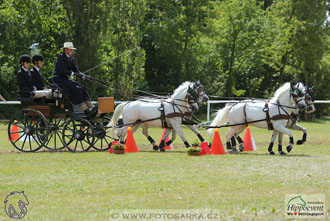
[113,122]
[220,119]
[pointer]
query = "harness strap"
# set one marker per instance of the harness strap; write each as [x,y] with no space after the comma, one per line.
[269,123]
[162,114]
[244,111]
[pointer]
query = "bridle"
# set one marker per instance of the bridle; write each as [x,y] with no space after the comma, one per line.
[298,96]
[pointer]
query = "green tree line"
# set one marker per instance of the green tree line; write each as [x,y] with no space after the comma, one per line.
[244,48]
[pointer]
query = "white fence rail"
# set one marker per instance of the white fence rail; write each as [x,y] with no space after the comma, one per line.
[208,104]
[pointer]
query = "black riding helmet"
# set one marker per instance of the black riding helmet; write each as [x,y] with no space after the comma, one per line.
[36,58]
[25,58]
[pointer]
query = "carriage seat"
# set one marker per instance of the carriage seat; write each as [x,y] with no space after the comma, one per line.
[47,93]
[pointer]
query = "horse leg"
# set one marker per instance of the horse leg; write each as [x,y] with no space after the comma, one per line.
[240,143]
[233,142]
[233,131]
[283,129]
[176,124]
[194,129]
[135,127]
[280,139]
[298,127]
[162,142]
[168,143]
[122,134]
[146,134]
[272,141]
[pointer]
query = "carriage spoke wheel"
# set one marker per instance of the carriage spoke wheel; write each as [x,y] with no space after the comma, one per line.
[27,130]
[55,130]
[102,139]
[78,135]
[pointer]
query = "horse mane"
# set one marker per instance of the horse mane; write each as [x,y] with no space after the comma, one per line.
[301,86]
[183,87]
[279,92]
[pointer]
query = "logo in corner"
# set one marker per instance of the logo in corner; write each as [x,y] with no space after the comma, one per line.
[298,200]
[15,205]
[305,205]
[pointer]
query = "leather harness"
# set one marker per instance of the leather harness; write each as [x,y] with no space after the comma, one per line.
[170,115]
[268,119]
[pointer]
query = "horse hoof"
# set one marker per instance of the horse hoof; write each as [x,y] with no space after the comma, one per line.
[289,148]
[272,153]
[241,148]
[155,147]
[232,151]
[282,153]
[299,142]
[162,150]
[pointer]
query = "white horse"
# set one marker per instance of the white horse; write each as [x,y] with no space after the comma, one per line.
[292,123]
[166,113]
[260,114]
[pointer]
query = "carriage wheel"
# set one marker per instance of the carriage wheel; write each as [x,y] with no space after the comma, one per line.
[102,139]
[27,130]
[55,130]
[78,135]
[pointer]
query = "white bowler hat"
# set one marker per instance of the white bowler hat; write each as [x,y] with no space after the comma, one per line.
[69,45]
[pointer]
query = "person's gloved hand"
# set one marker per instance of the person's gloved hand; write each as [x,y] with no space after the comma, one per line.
[77,74]
[84,76]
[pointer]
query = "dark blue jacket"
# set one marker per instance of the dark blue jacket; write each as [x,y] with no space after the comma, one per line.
[38,79]
[25,83]
[64,66]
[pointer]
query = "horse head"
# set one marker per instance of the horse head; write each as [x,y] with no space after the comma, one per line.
[196,94]
[298,96]
[309,96]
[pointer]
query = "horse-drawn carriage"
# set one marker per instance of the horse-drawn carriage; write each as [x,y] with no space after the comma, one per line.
[54,123]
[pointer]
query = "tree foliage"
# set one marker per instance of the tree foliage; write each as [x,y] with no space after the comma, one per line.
[235,47]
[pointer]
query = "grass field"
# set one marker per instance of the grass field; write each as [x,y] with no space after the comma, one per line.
[89,186]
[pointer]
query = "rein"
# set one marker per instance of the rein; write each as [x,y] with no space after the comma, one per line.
[268,119]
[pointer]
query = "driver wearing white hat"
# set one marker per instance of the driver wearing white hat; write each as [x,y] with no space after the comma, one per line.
[65,66]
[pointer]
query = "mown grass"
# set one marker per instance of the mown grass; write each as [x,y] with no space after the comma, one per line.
[83,186]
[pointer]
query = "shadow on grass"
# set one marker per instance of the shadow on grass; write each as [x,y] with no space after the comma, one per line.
[278,155]
[152,151]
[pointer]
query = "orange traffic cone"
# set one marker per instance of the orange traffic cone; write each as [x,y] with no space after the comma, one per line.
[114,142]
[169,147]
[14,136]
[248,146]
[205,149]
[130,142]
[217,147]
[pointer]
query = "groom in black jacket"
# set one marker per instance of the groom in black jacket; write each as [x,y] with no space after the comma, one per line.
[26,87]
[64,68]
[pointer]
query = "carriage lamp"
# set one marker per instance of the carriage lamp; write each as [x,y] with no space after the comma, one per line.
[15,121]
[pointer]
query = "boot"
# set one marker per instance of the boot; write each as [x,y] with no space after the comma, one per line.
[83,107]
[91,112]
[89,104]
